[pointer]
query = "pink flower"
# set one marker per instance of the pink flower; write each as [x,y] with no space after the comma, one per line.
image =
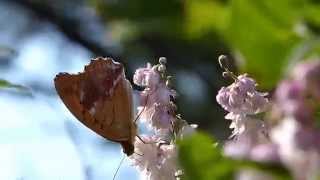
[223,98]
[147,77]
[291,101]
[265,153]
[289,90]
[239,149]
[248,133]
[308,75]
[158,111]
[246,84]
[248,148]
[161,117]
[304,162]
[156,155]
[242,97]
[308,139]
[161,95]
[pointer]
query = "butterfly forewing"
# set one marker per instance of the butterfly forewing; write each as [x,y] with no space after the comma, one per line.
[101,98]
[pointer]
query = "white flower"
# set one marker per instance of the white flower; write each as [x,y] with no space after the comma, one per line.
[251,174]
[168,167]
[237,124]
[265,153]
[157,161]
[146,155]
[239,149]
[244,125]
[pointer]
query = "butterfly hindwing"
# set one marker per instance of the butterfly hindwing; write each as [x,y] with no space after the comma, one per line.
[101,98]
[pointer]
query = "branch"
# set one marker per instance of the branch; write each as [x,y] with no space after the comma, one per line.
[69,26]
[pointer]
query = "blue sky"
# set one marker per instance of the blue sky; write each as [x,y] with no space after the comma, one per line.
[40,139]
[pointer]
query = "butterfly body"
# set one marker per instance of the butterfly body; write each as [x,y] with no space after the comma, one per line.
[101,98]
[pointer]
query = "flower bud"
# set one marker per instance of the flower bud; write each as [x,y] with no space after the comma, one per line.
[222,60]
[163,60]
[162,68]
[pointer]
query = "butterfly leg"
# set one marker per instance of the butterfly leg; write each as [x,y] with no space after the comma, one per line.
[144,142]
[115,174]
[141,139]
[138,154]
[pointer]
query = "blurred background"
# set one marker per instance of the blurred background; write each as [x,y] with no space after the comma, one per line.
[40,139]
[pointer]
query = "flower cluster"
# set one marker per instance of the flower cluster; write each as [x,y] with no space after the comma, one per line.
[241,99]
[243,102]
[156,107]
[296,106]
[155,159]
[156,154]
[294,140]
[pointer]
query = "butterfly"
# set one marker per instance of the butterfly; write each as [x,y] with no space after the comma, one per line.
[100,97]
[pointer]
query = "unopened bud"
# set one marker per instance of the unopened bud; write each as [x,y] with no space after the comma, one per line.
[155,67]
[225,74]
[173,106]
[222,61]
[169,81]
[162,68]
[162,60]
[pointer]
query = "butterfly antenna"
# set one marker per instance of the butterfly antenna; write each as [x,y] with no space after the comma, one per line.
[115,174]
[144,108]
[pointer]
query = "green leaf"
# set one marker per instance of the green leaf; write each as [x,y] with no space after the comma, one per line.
[205,16]
[262,33]
[7,84]
[201,160]
[312,13]
[161,17]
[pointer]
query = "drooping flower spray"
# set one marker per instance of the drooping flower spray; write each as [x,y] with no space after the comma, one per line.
[243,102]
[156,154]
[296,107]
[293,138]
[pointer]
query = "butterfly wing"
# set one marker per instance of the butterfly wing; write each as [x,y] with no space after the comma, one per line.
[101,98]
